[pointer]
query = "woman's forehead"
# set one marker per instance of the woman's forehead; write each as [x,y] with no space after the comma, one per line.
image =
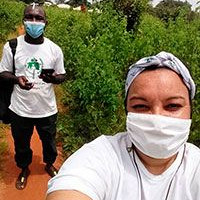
[156,73]
[158,79]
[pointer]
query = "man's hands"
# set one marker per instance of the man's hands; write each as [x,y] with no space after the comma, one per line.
[53,78]
[48,78]
[23,83]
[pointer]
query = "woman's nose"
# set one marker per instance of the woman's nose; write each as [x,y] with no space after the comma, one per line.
[157,110]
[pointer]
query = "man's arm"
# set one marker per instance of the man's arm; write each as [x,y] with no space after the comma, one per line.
[54,78]
[8,77]
[67,195]
[59,78]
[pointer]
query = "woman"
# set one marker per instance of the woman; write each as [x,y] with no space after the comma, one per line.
[151,160]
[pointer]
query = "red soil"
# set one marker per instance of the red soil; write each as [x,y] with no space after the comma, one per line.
[37,181]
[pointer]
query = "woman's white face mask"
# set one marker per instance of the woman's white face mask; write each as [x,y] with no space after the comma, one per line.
[157,136]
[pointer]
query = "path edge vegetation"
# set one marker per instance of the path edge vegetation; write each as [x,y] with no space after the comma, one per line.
[10,13]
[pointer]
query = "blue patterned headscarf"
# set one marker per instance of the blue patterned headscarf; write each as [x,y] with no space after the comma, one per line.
[165,60]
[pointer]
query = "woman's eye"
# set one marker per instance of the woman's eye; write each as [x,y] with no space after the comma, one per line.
[173,106]
[140,107]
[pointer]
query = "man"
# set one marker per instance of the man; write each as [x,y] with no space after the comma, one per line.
[33,100]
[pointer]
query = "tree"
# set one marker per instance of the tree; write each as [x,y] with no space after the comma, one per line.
[132,9]
[198,6]
[170,9]
[27,1]
[31,1]
[75,3]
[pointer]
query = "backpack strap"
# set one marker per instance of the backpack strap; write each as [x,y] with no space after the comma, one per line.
[13,45]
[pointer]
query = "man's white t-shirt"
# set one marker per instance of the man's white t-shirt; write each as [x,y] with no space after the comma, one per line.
[106,169]
[29,61]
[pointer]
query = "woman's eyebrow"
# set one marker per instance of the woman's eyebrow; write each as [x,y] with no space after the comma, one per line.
[137,98]
[144,99]
[176,97]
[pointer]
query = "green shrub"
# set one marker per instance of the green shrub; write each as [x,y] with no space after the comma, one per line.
[98,51]
[96,48]
[11,13]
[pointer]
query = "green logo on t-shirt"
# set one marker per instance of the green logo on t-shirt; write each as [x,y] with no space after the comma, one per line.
[33,67]
[34,63]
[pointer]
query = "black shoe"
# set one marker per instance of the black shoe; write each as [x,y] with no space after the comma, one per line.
[22,179]
[51,170]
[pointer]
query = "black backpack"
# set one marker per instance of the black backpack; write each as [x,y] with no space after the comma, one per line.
[6,89]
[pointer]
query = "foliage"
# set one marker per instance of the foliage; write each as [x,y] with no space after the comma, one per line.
[198,6]
[76,3]
[10,16]
[3,145]
[170,9]
[131,9]
[28,1]
[96,49]
[40,2]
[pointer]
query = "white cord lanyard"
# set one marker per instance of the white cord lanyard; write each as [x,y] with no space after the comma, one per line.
[139,174]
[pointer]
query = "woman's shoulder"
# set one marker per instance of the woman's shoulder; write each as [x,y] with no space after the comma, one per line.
[103,148]
[192,159]
[114,142]
[192,152]
[94,169]
[192,166]
[192,149]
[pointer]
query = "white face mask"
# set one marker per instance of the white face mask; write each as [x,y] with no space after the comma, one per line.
[157,136]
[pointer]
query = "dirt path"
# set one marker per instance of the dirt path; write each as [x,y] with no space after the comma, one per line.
[37,181]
